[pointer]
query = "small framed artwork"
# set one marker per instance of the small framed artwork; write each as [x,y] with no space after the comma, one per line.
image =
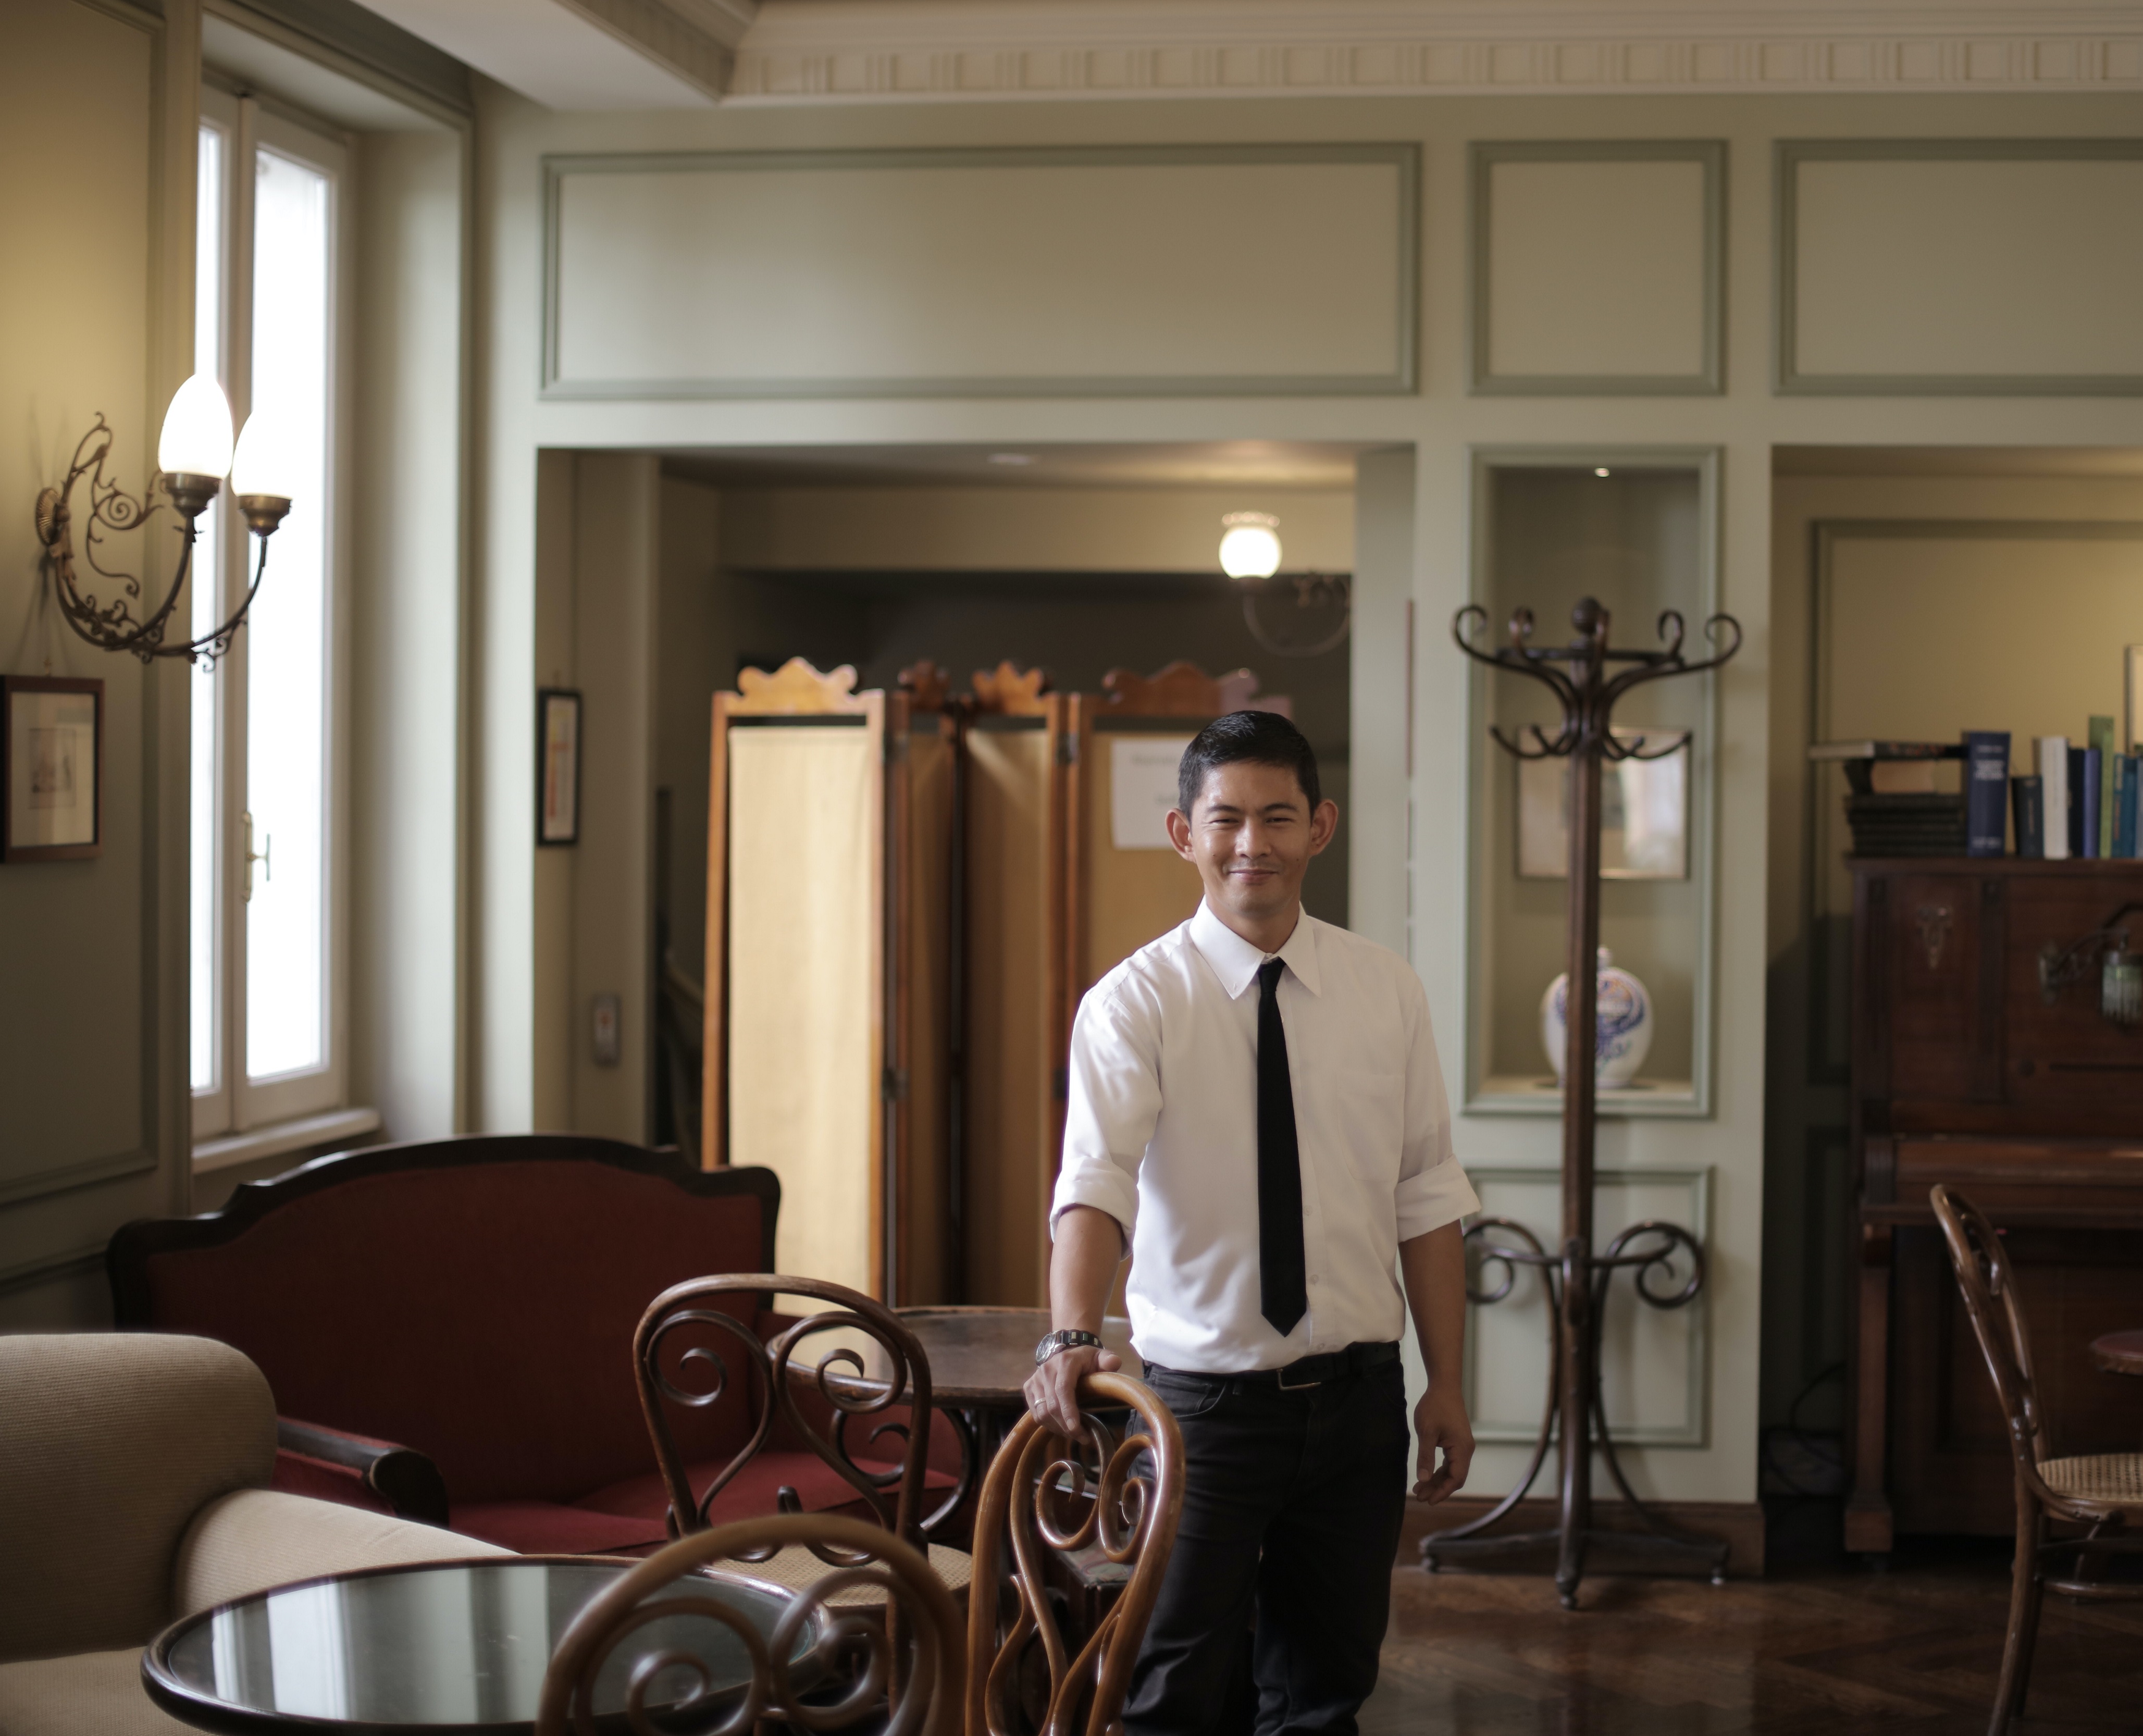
[558,766]
[51,768]
[1644,812]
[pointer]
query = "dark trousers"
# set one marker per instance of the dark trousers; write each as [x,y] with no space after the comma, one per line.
[1291,1512]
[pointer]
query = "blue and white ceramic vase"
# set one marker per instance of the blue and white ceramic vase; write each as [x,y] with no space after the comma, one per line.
[1625,1018]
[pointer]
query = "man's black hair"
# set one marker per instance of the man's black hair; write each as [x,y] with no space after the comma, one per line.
[1263,738]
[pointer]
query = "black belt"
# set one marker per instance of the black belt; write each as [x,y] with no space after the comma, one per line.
[1310,1371]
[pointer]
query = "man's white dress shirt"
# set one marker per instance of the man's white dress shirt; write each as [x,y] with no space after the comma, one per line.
[1161,1133]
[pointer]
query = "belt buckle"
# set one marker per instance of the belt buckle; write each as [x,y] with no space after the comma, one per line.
[1296,1386]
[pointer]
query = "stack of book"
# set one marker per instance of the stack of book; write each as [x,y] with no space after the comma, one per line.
[1894,808]
[1926,824]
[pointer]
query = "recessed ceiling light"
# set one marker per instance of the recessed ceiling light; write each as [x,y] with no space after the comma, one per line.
[1012,457]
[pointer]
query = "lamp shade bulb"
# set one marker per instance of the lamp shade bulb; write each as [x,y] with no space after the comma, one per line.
[196,437]
[262,466]
[1250,547]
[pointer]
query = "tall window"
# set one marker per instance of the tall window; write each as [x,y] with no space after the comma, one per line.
[266,1042]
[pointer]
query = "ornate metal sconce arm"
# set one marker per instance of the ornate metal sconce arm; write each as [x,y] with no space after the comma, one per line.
[113,625]
[1310,589]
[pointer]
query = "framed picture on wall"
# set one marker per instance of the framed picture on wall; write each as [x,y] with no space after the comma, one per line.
[1644,812]
[51,768]
[558,766]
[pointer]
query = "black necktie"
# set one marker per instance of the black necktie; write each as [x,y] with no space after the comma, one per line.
[1282,1299]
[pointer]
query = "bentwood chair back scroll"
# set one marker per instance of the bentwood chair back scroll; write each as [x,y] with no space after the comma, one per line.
[831,1663]
[712,1340]
[2102,1491]
[1099,1512]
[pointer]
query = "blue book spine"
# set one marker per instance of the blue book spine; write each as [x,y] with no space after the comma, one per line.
[2092,817]
[2076,801]
[1986,792]
[2125,770]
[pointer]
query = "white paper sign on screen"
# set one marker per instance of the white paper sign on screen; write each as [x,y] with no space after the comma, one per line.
[1142,789]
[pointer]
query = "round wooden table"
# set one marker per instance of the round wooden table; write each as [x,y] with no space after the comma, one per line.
[2119,1352]
[980,1358]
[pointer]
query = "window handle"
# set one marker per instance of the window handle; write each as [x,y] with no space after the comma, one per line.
[264,856]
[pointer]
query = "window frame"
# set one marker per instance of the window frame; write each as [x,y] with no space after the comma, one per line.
[235,1102]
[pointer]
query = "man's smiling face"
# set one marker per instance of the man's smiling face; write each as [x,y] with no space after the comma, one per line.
[1251,835]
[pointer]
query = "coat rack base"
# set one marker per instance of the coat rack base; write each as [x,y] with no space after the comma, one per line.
[1574,1420]
[1598,1550]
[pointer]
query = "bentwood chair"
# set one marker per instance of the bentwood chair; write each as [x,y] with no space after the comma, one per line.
[845,1390]
[2103,1491]
[827,1666]
[1102,1513]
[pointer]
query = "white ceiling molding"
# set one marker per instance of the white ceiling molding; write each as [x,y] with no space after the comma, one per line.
[587,54]
[650,27]
[937,51]
[725,21]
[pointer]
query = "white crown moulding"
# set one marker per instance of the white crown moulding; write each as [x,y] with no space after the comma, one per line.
[937,51]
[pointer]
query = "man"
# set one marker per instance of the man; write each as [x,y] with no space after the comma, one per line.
[1258,1118]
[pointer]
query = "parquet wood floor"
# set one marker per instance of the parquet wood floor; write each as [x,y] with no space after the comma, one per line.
[1834,1650]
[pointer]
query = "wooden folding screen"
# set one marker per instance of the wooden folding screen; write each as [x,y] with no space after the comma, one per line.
[828,846]
[1052,903]
[924,780]
[1013,1034]
[906,898]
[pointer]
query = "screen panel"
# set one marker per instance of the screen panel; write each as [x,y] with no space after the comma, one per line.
[803,935]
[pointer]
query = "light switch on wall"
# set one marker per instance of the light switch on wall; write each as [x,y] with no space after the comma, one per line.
[605,1013]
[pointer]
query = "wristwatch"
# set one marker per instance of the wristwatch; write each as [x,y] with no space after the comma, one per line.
[1068,1339]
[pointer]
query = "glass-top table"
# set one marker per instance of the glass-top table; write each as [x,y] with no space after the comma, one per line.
[450,1645]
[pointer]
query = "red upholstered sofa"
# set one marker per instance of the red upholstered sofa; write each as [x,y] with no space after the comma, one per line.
[448,1328]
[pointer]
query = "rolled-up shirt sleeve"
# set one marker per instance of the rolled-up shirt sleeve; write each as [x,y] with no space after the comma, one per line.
[1433,1190]
[1114,1101]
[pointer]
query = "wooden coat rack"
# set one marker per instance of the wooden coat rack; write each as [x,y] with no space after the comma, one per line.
[1586,687]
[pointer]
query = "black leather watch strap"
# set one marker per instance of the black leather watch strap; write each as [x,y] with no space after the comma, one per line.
[1069,1338]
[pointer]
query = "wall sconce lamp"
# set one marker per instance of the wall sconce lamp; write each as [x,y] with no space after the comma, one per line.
[193,457]
[1250,555]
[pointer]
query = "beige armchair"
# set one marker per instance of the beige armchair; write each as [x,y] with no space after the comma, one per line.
[133,1476]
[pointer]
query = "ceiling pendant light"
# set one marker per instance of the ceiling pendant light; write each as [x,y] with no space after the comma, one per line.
[1250,546]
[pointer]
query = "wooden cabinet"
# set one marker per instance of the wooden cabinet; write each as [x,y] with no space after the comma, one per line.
[1965,1071]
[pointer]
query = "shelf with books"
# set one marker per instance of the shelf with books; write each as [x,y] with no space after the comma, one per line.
[2078,802]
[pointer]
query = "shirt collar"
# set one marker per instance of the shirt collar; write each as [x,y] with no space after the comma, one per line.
[1234,961]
